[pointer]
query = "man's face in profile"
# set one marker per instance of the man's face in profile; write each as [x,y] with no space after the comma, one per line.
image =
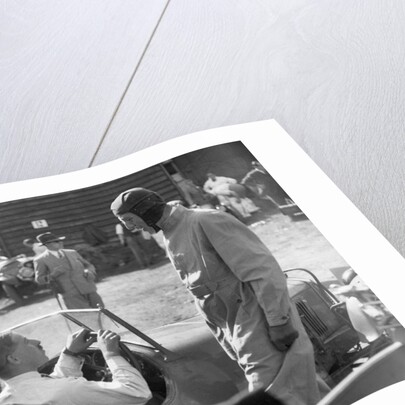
[133,222]
[28,351]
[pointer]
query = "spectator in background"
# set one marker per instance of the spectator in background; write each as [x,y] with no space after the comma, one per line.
[259,181]
[93,235]
[195,195]
[36,247]
[226,189]
[142,245]
[67,273]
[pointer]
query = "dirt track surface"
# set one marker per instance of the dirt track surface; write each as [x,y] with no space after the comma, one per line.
[155,297]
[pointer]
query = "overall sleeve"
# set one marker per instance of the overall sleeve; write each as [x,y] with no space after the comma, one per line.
[251,262]
[120,233]
[127,385]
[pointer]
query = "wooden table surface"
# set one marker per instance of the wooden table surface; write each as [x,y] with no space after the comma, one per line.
[85,82]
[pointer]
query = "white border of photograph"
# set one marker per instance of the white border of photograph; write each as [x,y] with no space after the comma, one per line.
[343,225]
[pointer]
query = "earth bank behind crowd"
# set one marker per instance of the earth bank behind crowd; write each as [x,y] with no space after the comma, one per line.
[154,297]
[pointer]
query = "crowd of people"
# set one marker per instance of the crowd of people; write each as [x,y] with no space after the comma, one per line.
[235,196]
[237,285]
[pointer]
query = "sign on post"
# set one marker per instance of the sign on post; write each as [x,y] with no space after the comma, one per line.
[40,223]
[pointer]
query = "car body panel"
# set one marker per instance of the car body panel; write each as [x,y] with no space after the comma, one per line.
[193,339]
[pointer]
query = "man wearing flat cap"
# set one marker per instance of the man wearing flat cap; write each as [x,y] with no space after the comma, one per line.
[67,272]
[239,288]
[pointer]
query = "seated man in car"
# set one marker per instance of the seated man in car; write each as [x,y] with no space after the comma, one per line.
[20,358]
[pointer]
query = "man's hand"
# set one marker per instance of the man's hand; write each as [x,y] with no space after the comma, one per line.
[283,336]
[79,341]
[108,342]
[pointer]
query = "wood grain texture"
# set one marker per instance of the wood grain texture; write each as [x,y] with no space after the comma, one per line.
[63,68]
[330,72]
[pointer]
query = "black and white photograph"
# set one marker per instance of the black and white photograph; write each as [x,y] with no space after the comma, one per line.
[202,202]
[203,276]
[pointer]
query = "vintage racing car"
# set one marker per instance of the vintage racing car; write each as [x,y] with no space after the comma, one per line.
[184,365]
[358,344]
[17,277]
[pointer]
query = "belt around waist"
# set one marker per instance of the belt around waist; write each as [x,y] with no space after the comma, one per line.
[209,287]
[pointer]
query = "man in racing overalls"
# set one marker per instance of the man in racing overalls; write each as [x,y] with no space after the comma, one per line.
[239,289]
